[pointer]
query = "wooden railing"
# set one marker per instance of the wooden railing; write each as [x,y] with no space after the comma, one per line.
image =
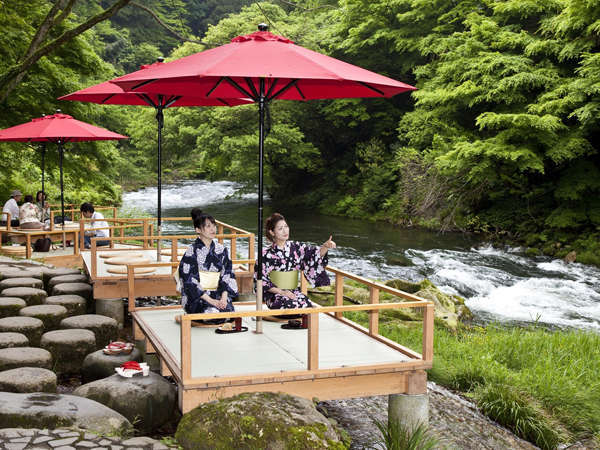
[73,212]
[424,359]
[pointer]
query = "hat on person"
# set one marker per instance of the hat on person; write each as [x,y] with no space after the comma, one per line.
[15,193]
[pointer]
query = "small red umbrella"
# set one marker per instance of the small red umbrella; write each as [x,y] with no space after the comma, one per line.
[108,93]
[60,129]
[262,66]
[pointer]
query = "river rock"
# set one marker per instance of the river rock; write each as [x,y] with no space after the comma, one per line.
[105,328]
[83,289]
[151,400]
[75,304]
[45,410]
[19,272]
[72,278]
[15,357]
[29,326]
[69,348]
[28,379]
[256,420]
[10,306]
[50,315]
[8,340]
[21,282]
[32,296]
[98,365]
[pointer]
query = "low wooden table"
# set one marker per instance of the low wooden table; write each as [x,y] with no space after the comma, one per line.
[69,233]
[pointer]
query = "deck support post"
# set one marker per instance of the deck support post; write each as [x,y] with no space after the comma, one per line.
[408,410]
[111,307]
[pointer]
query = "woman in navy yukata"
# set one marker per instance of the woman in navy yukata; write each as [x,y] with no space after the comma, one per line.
[206,279]
[284,255]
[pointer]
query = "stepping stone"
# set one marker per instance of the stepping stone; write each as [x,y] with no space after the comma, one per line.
[21,282]
[50,272]
[29,326]
[69,348]
[18,272]
[98,365]
[104,328]
[51,315]
[9,339]
[75,304]
[82,289]
[32,296]
[73,278]
[16,357]
[28,379]
[10,306]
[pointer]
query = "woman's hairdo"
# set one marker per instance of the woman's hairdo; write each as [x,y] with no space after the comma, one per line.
[200,218]
[271,223]
[28,198]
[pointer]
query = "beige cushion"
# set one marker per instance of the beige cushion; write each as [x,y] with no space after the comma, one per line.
[122,260]
[119,254]
[123,269]
[167,251]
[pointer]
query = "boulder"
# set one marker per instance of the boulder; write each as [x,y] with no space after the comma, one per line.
[16,357]
[29,326]
[50,272]
[19,272]
[28,379]
[75,304]
[8,340]
[82,289]
[50,315]
[51,411]
[98,365]
[72,278]
[21,282]
[151,400]
[105,328]
[263,420]
[69,348]
[32,296]
[10,306]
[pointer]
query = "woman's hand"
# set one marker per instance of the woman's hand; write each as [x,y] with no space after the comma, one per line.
[326,246]
[288,294]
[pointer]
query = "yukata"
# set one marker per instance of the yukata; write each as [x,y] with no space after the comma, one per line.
[293,256]
[213,258]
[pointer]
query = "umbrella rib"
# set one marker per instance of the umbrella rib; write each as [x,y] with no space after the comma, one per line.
[214,87]
[251,86]
[275,81]
[143,83]
[285,88]
[147,99]
[172,100]
[380,92]
[239,88]
[107,98]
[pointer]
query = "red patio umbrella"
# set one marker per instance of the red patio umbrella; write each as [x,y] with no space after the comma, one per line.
[262,66]
[108,93]
[60,129]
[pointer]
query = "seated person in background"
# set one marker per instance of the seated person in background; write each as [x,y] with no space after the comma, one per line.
[206,279]
[87,211]
[12,207]
[284,256]
[42,204]
[29,215]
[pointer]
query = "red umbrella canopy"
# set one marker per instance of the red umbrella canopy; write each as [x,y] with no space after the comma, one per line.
[108,93]
[290,72]
[58,127]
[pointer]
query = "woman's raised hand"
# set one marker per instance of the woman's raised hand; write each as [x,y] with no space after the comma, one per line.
[328,244]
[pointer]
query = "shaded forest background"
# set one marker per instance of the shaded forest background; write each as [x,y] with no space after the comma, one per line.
[500,138]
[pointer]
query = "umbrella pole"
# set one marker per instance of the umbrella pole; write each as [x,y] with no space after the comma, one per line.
[160,120]
[62,196]
[43,171]
[261,140]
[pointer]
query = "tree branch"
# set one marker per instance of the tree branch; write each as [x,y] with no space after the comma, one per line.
[164,25]
[15,74]
[43,29]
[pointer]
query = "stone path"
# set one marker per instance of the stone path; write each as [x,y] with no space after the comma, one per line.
[66,439]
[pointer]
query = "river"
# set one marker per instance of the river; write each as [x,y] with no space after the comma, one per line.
[498,284]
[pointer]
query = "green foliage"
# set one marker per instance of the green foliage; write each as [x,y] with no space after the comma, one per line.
[399,437]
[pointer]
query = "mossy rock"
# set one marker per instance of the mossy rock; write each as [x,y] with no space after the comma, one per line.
[32,296]
[104,328]
[10,306]
[259,420]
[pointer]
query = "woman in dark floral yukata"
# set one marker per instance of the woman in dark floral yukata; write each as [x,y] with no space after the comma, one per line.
[286,256]
[206,279]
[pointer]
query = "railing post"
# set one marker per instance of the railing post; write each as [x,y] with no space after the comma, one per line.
[428,324]
[233,247]
[251,250]
[303,284]
[93,259]
[339,293]
[220,231]
[186,354]
[174,250]
[130,289]
[373,314]
[82,233]
[313,341]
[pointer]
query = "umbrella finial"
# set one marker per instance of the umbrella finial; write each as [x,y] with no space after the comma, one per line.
[58,111]
[160,59]
[263,27]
